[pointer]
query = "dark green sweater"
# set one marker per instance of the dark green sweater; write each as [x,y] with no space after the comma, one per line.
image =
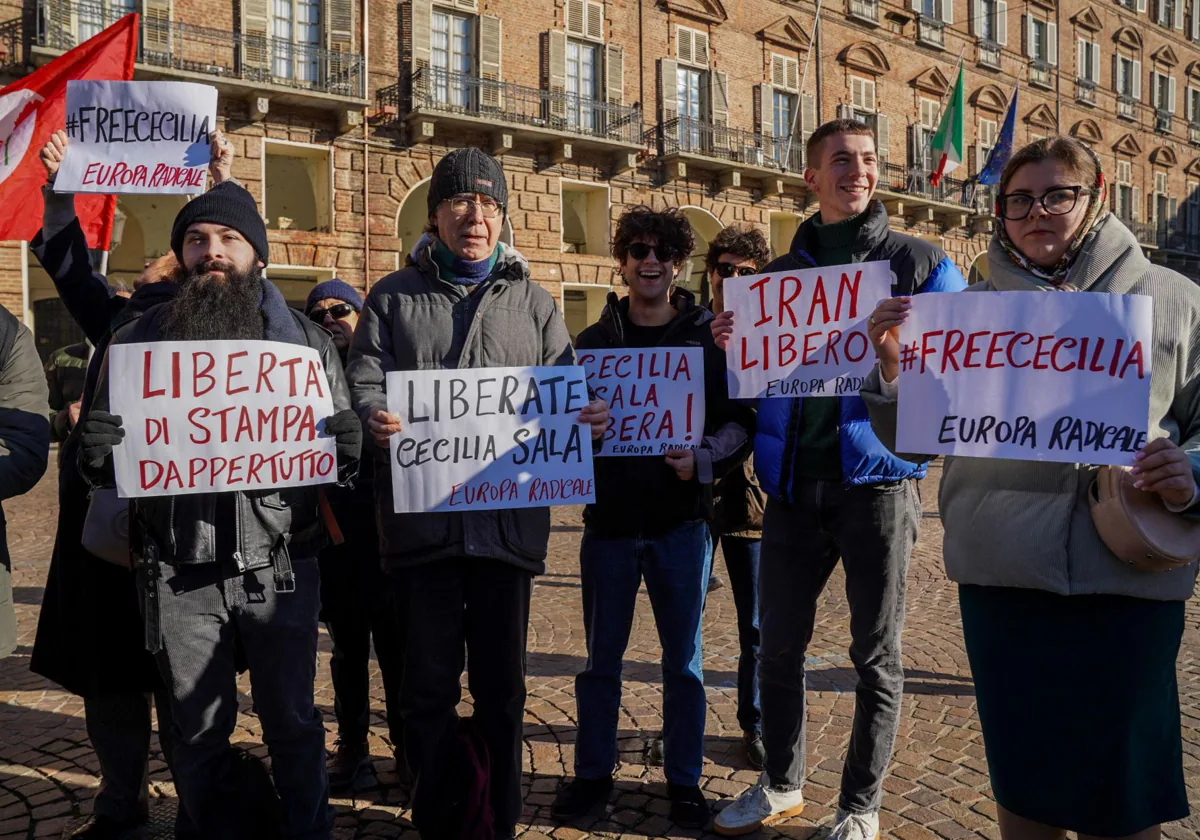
[818,452]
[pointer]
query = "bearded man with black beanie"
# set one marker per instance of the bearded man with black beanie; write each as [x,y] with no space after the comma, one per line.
[223,574]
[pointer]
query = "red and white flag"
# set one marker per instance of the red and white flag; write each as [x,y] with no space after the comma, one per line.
[32,109]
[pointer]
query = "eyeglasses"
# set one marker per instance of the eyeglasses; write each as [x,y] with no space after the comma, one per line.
[640,250]
[462,205]
[727,270]
[337,311]
[1057,202]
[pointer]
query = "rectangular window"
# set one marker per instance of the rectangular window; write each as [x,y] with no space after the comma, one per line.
[691,89]
[929,113]
[987,139]
[583,84]
[1194,105]
[1089,55]
[296,34]
[451,51]
[1125,76]
[987,20]
[94,17]
[862,95]
[1040,45]
[931,9]
[782,110]
[1162,86]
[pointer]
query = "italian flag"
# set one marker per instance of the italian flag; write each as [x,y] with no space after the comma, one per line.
[948,146]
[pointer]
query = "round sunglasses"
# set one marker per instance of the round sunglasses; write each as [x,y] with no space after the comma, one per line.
[337,311]
[640,250]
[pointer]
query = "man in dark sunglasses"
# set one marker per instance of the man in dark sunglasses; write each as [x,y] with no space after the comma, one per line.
[355,602]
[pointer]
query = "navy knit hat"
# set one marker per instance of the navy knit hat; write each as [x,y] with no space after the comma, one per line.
[338,289]
[225,204]
[469,171]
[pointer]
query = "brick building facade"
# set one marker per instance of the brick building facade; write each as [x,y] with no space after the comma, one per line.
[339,108]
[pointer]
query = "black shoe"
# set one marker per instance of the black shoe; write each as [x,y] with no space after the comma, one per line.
[688,807]
[101,827]
[756,753]
[715,582]
[580,797]
[346,764]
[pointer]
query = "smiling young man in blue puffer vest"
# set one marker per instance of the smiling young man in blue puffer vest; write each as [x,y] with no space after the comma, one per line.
[834,492]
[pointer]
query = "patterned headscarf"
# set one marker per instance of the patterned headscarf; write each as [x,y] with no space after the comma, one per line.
[1096,211]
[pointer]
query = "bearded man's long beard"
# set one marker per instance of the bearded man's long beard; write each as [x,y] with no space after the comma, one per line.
[209,308]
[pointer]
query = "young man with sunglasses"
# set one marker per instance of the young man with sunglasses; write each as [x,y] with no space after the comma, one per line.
[354,595]
[834,493]
[738,501]
[649,522]
[460,579]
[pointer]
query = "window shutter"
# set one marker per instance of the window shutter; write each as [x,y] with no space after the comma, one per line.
[793,75]
[683,44]
[668,93]
[778,71]
[556,72]
[576,15]
[1081,56]
[1137,80]
[915,5]
[339,28]
[1052,44]
[845,112]
[1002,22]
[1196,20]
[765,94]
[883,137]
[1154,88]
[869,95]
[255,27]
[974,16]
[490,40]
[1188,105]
[1179,14]
[1160,7]
[1116,73]
[156,25]
[61,20]
[1137,204]
[467,5]
[719,82]
[808,117]
[1171,95]
[1095,47]
[595,21]
[948,11]
[1141,6]
[614,74]
[1027,36]
[421,12]
[700,48]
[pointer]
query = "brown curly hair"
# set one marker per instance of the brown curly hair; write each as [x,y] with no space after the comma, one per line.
[746,243]
[669,228]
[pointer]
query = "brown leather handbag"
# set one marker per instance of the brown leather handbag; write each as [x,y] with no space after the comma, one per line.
[1137,527]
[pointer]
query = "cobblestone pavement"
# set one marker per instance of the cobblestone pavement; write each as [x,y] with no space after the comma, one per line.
[937,788]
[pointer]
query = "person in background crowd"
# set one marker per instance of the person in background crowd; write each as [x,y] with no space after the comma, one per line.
[738,501]
[65,373]
[1046,606]
[24,444]
[462,301]
[90,638]
[835,493]
[354,598]
[649,521]
[232,573]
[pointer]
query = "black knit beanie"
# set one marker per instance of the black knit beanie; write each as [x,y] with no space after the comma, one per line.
[225,204]
[469,171]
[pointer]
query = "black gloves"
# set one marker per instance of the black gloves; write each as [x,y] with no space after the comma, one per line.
[347,428]
[101,432]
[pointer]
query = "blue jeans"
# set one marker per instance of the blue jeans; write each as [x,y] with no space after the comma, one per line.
[741,561]
[675,567]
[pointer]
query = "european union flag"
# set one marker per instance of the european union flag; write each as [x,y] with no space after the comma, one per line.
[1002,151]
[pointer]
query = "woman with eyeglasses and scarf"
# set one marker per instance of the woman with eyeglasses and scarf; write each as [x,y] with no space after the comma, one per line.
[1072,651]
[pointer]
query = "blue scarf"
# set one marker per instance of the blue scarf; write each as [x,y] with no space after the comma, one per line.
[455,269]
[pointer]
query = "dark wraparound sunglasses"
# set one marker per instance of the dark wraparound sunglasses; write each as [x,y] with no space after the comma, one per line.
[727,270]
[338,311]
[640,250]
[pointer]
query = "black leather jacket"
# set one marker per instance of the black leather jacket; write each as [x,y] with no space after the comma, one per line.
[271,525]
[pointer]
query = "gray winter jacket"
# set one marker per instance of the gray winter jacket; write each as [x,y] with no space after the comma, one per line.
[414,320]
[24,444]
[1026,523]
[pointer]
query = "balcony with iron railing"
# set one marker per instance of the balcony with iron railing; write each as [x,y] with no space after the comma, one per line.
[232,61]
[723,149]
[1162,121]
[432,95]
[1085,92]
[1176,237]
[906,191]
[1194,133]
[1127,107]
[865,11]
[989,54]
[1040,75]
[931,33]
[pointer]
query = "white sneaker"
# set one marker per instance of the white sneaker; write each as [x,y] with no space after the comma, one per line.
[757,807]
[849,826]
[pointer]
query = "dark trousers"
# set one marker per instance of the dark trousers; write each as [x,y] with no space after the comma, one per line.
[119,727]
[872,530]
[741,562]
[205,616]
[356,606]
[483,605]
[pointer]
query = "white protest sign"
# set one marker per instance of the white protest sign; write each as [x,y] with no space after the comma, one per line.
[137,137]
[1026,375]
[803,333]
[210,416]
[490,438]
[655,397]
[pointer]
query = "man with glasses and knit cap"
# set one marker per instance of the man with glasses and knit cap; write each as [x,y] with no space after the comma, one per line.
[354,602]
[462,301]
